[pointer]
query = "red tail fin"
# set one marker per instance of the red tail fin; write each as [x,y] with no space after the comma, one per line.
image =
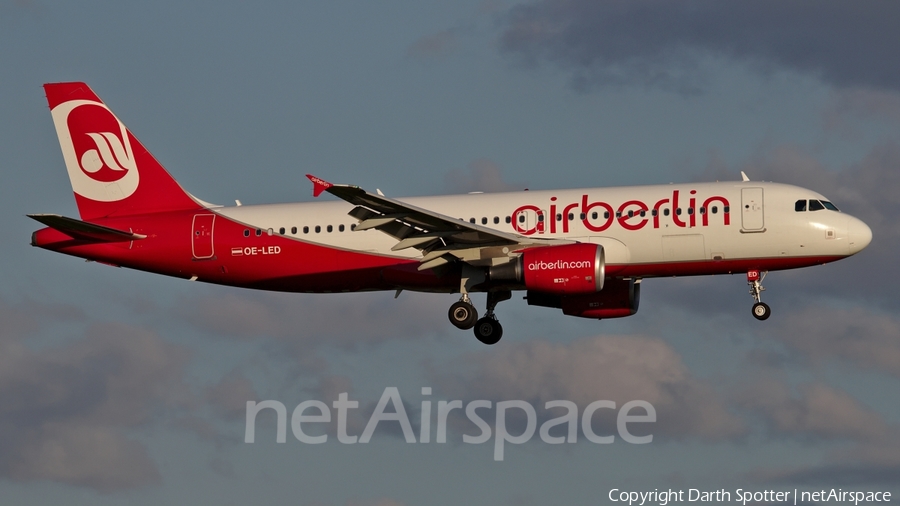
[111,172]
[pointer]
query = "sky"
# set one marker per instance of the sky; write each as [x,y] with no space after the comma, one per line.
[118,386]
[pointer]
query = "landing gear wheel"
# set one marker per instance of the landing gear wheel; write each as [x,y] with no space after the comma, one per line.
[488,330]
[761,311]
[463,315]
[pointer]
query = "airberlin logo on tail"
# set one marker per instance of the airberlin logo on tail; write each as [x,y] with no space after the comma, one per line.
[96,149]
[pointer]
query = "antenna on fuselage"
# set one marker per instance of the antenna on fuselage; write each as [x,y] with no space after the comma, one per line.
[744,177]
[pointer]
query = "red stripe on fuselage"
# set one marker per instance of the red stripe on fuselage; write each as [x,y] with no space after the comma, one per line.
[711,267]
[283,263]
[268,262]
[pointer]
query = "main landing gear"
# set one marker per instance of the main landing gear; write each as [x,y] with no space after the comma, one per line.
[463,314]
[760,310]
[488,330]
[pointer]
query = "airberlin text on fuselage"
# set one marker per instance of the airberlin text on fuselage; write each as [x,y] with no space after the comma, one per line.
[630,215]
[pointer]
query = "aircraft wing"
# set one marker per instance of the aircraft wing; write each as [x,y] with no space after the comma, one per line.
[439,237]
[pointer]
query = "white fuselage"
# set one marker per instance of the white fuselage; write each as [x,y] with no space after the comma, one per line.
[762,222]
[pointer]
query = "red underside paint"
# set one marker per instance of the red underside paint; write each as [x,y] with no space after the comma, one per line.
[281,263]
[709,267]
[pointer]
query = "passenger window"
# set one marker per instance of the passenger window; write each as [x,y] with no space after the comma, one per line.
[472,220]
[281,230]
[571,216]
[318,229]
[258,232]
[666,211]
[353,226]
[594,215]
[715,209]
[702,210]
[631,214]
[305,230]
[497,220]
[541,217]
[508,219]
[293,230]
[726,209]
[521,218]
[605,215]
[678,211]
[330,228]
[582,216]
[340,228]
[558,217]
[815,205]
[800,206]
[270,231]
[690,210]
[246,232]
[654,212]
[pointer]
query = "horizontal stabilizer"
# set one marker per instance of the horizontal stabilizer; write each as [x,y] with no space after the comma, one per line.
[83,230]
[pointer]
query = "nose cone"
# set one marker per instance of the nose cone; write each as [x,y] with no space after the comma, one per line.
[860,235]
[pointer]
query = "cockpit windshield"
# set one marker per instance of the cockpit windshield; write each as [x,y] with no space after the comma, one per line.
[814,205]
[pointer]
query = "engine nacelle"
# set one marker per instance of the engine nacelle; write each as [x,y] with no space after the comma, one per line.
[620,298]
[568,269]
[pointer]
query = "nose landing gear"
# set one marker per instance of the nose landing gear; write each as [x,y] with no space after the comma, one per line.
[760,310]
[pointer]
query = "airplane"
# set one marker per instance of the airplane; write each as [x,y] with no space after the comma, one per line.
[584,251]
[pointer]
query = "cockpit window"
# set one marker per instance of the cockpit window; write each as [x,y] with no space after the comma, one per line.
[829,206]
[800,206]
[815,205]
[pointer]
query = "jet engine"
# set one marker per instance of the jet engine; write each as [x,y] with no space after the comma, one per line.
[567,269]
[619,298]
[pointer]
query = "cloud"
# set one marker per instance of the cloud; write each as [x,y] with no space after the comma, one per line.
[617,368]
[846,106]
[856,336]
[665,44]
[230,395]
[66,408]
[872,463]
[818,412]
[305,321]
[836,475]
[26,317]
[482,175]
[434,45]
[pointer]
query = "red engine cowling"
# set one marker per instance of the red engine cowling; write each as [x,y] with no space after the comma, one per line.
[567,269]
[620,298]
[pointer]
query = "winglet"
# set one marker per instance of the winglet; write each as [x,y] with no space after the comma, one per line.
[744,177]
[319,185]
